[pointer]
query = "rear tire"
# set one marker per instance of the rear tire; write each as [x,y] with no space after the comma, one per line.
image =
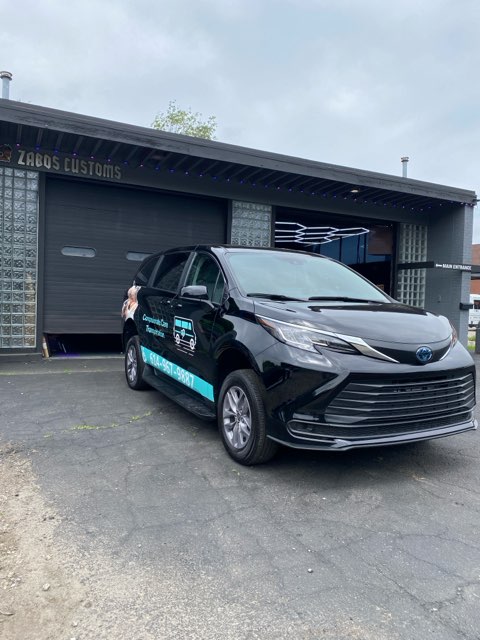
[242,419]
[134,365]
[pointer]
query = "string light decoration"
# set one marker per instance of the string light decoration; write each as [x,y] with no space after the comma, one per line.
[345,192]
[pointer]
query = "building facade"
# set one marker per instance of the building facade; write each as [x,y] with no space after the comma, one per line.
[83,200]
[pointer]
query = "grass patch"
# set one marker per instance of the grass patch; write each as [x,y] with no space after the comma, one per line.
[114,425]
[84,427]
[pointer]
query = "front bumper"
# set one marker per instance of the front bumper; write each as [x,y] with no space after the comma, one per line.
[330,442]
[342,402]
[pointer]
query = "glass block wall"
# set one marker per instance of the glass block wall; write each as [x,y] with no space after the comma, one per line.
[251,224]
[412,248]
[18,257]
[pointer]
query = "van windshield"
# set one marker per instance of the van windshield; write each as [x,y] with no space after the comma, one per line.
[290,276]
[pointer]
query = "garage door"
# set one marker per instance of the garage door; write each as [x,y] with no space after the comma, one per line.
[93,233]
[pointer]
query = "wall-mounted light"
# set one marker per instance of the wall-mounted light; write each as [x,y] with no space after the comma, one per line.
[299,233]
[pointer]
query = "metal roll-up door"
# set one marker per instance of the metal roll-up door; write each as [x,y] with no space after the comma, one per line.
[90,229]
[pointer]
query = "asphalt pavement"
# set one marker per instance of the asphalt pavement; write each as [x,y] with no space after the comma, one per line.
[381,543]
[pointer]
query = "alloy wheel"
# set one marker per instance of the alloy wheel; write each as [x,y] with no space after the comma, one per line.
[237,417]
[132,364]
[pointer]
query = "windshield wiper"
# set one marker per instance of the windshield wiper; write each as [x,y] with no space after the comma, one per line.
[275,296]
[345,299]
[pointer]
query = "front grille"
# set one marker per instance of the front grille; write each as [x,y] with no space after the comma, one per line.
[381,407]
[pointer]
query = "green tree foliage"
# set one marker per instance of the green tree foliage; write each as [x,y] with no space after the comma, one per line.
[185,121]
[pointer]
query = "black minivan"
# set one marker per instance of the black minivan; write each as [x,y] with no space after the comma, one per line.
[292,348]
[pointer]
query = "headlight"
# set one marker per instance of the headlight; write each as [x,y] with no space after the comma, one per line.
[305,338]
[454,336]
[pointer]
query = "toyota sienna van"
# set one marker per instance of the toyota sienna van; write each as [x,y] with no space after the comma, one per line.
[292,348]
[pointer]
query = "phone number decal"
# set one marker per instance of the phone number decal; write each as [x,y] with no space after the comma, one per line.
[178,373]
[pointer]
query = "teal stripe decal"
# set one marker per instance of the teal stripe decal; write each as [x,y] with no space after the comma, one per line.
[177,373]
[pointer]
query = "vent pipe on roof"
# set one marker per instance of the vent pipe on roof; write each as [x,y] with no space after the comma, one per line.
[405,160]
[6,77]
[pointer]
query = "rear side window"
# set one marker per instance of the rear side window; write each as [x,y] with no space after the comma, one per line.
[145,271]
[170,271]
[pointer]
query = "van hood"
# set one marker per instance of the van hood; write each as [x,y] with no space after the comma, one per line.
[393,328]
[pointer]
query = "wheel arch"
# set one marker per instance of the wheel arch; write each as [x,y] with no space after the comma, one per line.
[129,330]
[232,359]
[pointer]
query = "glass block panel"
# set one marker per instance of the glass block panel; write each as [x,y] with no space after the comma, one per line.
[412,248]
[18,251]
[251,224]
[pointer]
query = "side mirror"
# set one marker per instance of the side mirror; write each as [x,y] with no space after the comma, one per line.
[198,291]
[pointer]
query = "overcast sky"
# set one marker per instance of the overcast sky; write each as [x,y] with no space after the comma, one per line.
[358,83]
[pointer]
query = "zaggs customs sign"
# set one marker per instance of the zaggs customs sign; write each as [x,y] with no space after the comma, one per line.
[65,164]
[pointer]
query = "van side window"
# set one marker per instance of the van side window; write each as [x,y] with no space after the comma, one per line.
[145,271]
[170,271]
[205,271]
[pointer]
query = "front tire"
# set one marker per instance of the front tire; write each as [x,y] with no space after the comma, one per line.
[242,419]
[134,365]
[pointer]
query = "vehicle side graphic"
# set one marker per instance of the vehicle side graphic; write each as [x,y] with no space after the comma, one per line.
[184,333]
